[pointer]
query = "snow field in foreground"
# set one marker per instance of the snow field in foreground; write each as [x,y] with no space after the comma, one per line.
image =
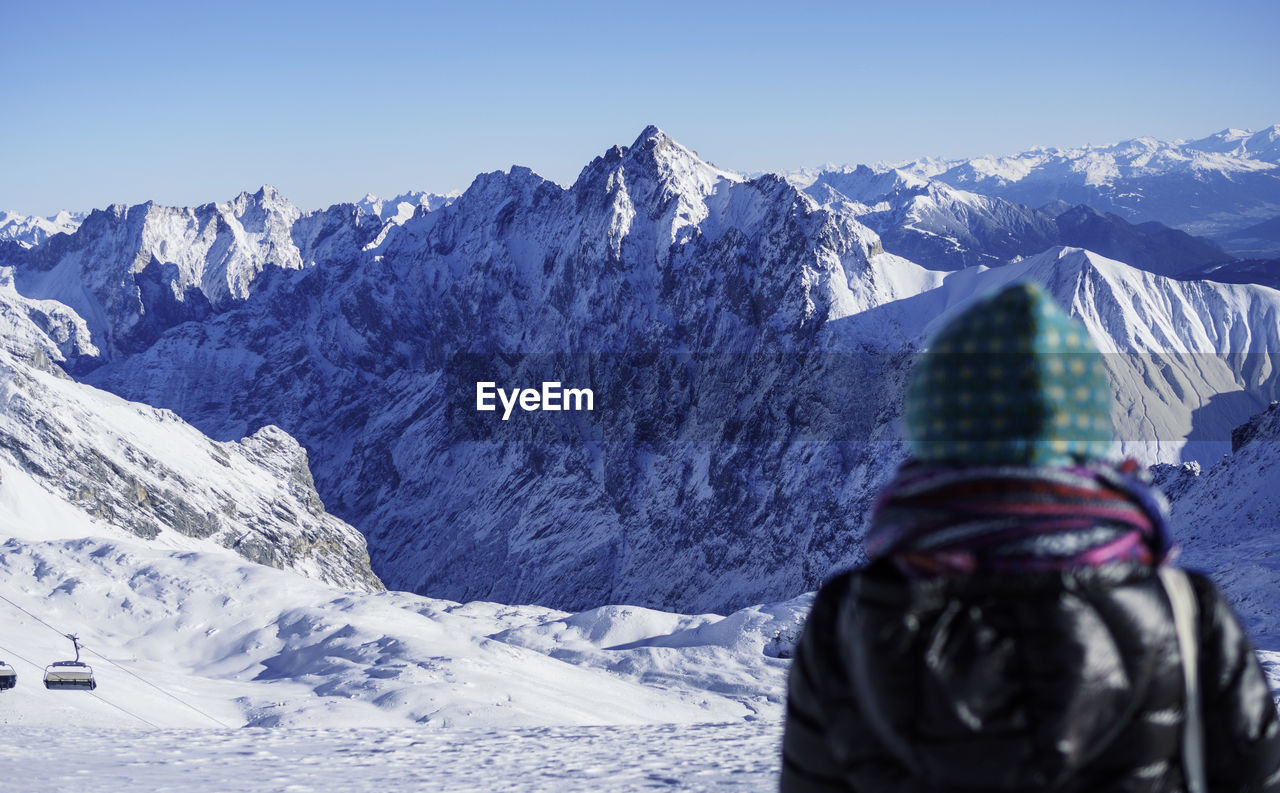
[685,757]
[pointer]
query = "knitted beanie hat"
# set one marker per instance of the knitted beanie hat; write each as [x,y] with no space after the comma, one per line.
[1013,380]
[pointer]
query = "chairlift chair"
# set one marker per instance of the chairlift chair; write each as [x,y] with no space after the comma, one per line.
[70,674]
[8,677]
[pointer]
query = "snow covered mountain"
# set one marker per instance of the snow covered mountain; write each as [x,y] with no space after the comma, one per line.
[174,264]
[31,231]
[349,358]
[156,545]
[69,452]
[1208,187]
[209,587]
[946,228]
[1263,145]
[746,344]
[399,209]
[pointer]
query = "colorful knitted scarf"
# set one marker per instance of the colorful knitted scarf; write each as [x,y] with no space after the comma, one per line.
[936,519]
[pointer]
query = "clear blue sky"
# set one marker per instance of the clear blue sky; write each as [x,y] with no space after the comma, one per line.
[186,103]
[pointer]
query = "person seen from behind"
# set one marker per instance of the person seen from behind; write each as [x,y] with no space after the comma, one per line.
[1019,626]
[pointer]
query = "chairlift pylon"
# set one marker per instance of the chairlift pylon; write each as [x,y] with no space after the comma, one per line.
[70,674]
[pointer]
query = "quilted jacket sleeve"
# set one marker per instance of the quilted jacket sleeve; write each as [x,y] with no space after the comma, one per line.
[1242,732]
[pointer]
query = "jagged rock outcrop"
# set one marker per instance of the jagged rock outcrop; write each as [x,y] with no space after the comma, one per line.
[145,471]
[1264,427]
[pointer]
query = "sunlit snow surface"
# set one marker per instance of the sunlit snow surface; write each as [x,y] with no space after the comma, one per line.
[250,645]
[701,757]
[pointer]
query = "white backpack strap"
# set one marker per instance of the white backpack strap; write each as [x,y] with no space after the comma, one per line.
[1183,600]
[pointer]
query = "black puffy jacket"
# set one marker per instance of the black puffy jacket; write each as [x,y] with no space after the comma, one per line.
[1038,682]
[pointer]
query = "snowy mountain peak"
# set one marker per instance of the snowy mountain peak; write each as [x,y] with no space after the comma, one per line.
[657,176]
[652,144]
[650,134]
[265,199]
[264,193]
[1262,145]
[659,157]
[402,207]
[181,262]
[1265,145]
[499,187]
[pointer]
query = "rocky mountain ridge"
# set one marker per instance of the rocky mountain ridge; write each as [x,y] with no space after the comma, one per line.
[945,228]
[747,344]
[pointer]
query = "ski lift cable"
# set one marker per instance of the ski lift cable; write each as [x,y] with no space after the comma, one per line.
[140,679]
[9,652]
[86,648]
[95,695]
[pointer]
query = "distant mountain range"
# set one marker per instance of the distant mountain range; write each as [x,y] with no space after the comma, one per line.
[746,338]
[940,226]
[1217,186]
[30,231]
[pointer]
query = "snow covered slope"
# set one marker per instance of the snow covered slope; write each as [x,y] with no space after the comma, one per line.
[123,524]
[1226,513]
[68,448]
[146,471]
[1190,360]
[242,643]
[126,526]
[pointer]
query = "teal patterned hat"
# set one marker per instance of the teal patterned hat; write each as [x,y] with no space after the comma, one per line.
[1013,380]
